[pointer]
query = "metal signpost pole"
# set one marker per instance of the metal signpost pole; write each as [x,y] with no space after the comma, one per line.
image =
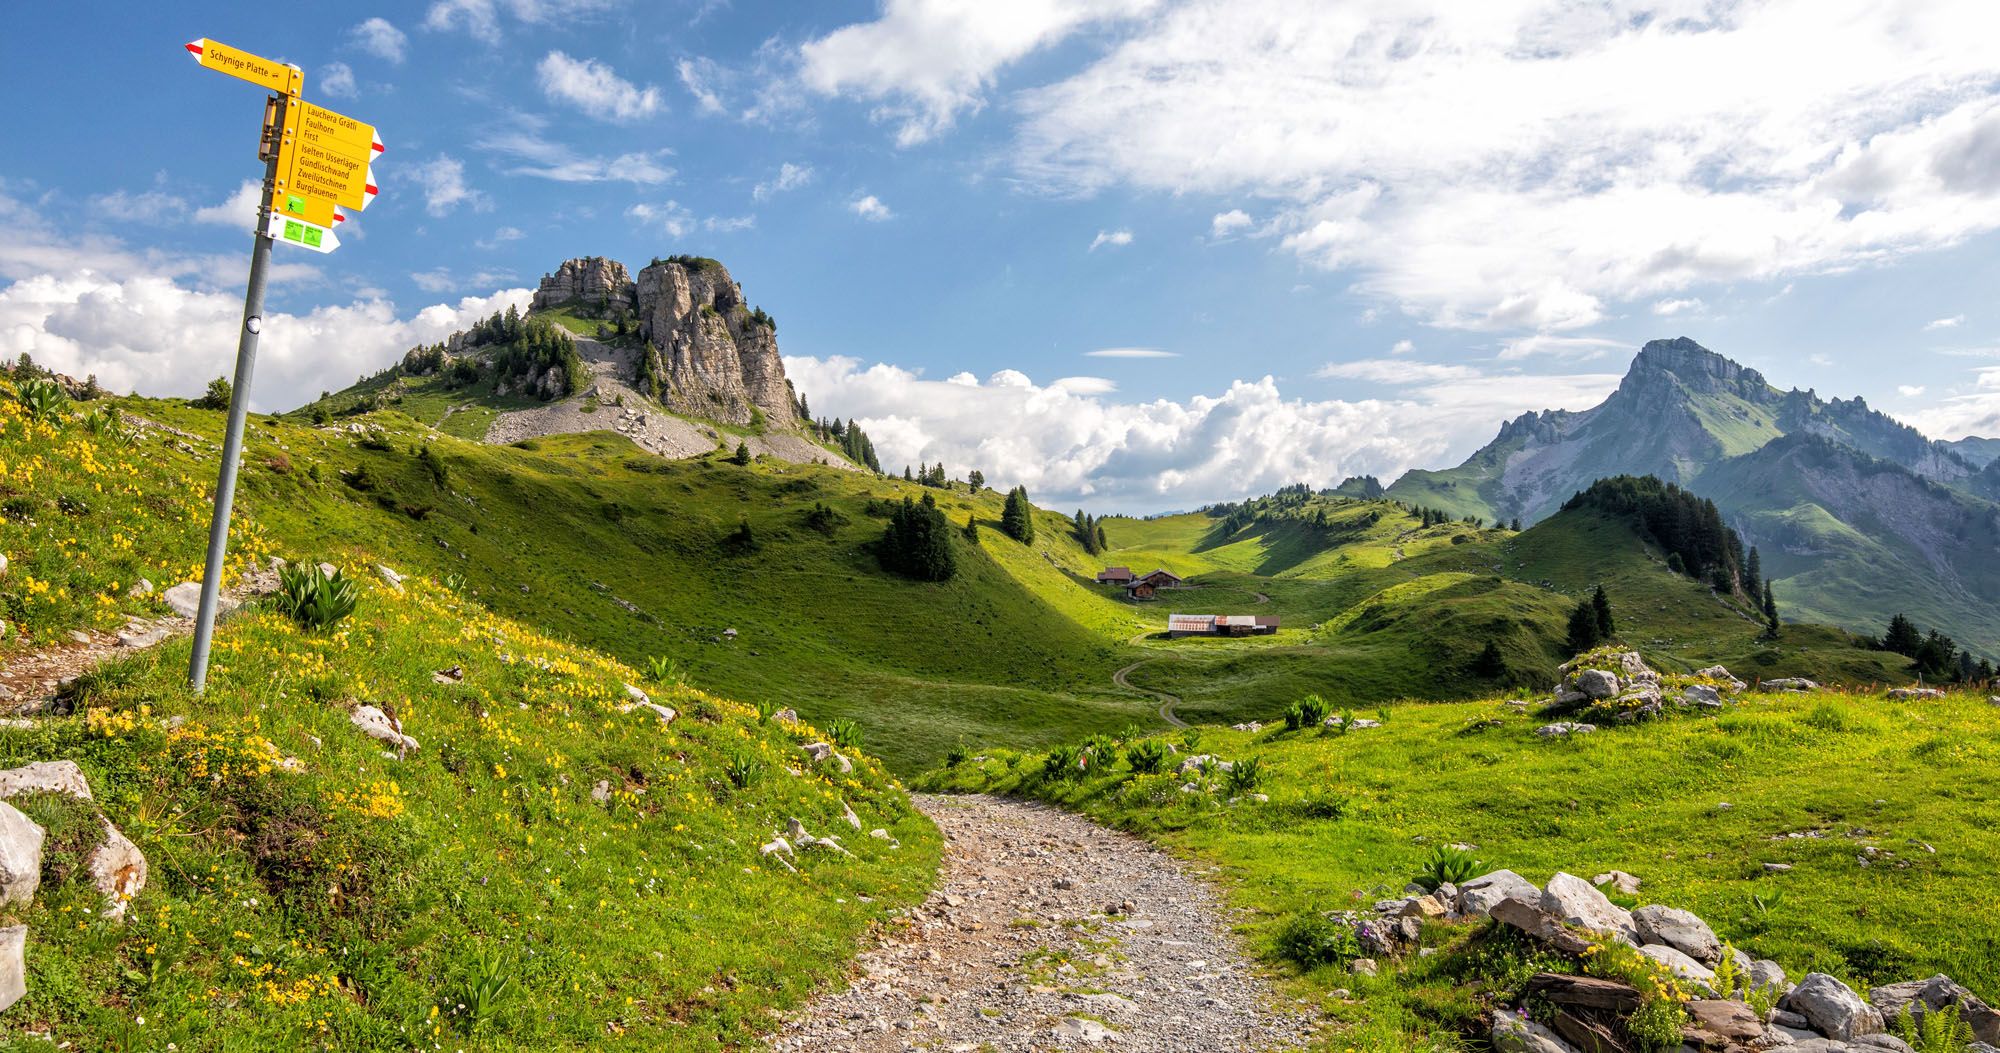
[232,444]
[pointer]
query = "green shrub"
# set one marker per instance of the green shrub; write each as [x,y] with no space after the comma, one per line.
[956,754]
[1312,710]
[488,990]
[742,769]
[313,598]
[44,399]
[1061,763]
[1146,755]
[217,396]
[844,733]
[1245,776]
[1311,939]
[1448,865]
[666,672]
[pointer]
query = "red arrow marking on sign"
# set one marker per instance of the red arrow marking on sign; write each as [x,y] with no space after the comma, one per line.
[195,50]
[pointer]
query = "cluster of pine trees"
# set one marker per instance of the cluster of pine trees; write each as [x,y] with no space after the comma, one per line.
[1090,532]
[917,542]
[1688,528]
[523,347]
[1017,517]
[853,442]
[1933,655]
[929,475]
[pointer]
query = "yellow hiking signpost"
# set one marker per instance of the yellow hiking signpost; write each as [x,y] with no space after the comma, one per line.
[314,160]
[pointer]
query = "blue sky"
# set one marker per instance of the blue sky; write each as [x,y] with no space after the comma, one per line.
[1341,237]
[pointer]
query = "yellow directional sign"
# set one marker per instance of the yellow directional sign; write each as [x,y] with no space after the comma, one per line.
[254,68]
[336,131]
[315,210]
[336,175]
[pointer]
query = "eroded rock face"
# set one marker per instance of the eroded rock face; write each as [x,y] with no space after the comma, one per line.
[599,286]
[717,359]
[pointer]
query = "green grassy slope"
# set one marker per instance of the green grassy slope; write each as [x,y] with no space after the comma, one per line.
[309,891]
[1693,806]
[589,525]
[1385,608]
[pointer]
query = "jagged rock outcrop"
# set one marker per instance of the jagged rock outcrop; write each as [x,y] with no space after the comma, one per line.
[594,285]
[717,358]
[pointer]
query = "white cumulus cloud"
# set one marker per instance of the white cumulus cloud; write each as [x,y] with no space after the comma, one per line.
[380,38]
[1226,223]
[870,207]
[1130,352]
[442,181]
[1945,323]
[1526,164]
[1069,444]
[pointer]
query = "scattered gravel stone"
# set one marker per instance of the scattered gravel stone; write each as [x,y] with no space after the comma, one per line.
[1163,973]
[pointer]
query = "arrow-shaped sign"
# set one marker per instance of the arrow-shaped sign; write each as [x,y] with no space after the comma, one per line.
[299,232]
[256,69]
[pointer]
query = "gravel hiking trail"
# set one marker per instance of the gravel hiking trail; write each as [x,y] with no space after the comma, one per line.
[1050,932]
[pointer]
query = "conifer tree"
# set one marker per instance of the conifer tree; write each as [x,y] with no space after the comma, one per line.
[1770,610]
[976,479]
[1490,665]
[917,542]
[1902,637]
[1017,517]
[1582,628]
[742,454]
[1600,608]
[1753,574]
[972,529]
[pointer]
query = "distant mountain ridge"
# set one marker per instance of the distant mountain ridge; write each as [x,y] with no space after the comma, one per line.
[1858,515]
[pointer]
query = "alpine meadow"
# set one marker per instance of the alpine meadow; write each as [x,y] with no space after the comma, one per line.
[1321,527]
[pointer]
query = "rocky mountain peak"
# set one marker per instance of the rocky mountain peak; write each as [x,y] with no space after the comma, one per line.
[595,285]
[1694,366]
[717,357]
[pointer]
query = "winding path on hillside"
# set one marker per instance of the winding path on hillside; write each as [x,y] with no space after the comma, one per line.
[1047,931]
[1167,701]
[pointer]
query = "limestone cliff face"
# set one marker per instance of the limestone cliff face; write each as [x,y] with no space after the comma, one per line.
[716,358]
[599,287]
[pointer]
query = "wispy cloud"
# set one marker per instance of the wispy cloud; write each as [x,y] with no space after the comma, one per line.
[595,88]
[1669,308]
[442,181]
[521,139]
[789,177]
[1131,352]
[1399,371]
[1553,346]
[1113,238]
[925,62]
[337,80]
[1945,323]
